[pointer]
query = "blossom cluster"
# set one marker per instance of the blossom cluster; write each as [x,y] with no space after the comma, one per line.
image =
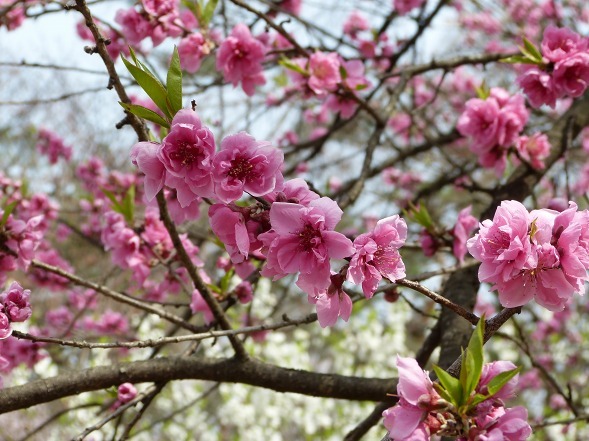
[422,413]
[51,145]
[14,307]
[290,228]
[493,124]
[563,71]
[541,255]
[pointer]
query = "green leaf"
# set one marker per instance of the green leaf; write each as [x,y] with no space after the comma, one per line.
[343,72]
[145,113]
[420,215]
[497,383]
[290,65]
[174,83]
[111,196]
[443,393]
[483,91]
[128,205]
[7,212]
[194,7]
[208,11]
[225,280]
[361,86]
[517,59]
[532,50]
[477,399]
[451,385]
[151,85]
[473,359]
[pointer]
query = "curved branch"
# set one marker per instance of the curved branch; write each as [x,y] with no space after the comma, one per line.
[252,372]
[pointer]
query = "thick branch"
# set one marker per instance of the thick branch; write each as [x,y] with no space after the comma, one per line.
[252,372]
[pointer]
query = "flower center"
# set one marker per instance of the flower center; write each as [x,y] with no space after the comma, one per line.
[240,168]
[309,238]
[185,153]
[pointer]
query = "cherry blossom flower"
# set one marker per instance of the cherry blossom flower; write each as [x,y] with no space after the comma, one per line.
[332,303]
[50,144]
[144,156]
[502,245]
[465,225]
[126,392]
[192,49]
[244,164]
[402,7]
[15,302]
[302,240]
[240,58]
[416,397]
[560,43]
[534,149]
[186,153]
[377,256]
[324,72]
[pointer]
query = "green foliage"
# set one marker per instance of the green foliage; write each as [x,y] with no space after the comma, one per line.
[174,82]
[290,65]
[8,209]
[167,98]
[451,385]
[483,91]
[420,215]
[203,12]
[126,207]
[530,55]
[145,113]
[472,360]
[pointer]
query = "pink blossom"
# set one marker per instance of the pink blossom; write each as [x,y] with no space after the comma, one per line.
[406,420]
[324,72]
[240,58]
[244,292]
[480,120]
[508,425]
[560,43]
[295,191]
[192,49]
[376,255]
[502,245]
[545,260]
[332,303]
[291,6]
[112,322]
[571,74]
[402,7]
[186,153]
[5,329]
[354,81]
[355,23]
[493,124]
[50,144]
[23,238]
[465,225]
[234,227]
[302,240]
[144,156]
[534,149]
[199,304]
[180,214]
[15,302]
[134,26]
[244,164]
[126,392]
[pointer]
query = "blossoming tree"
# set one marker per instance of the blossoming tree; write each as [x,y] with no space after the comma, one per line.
[302,220]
